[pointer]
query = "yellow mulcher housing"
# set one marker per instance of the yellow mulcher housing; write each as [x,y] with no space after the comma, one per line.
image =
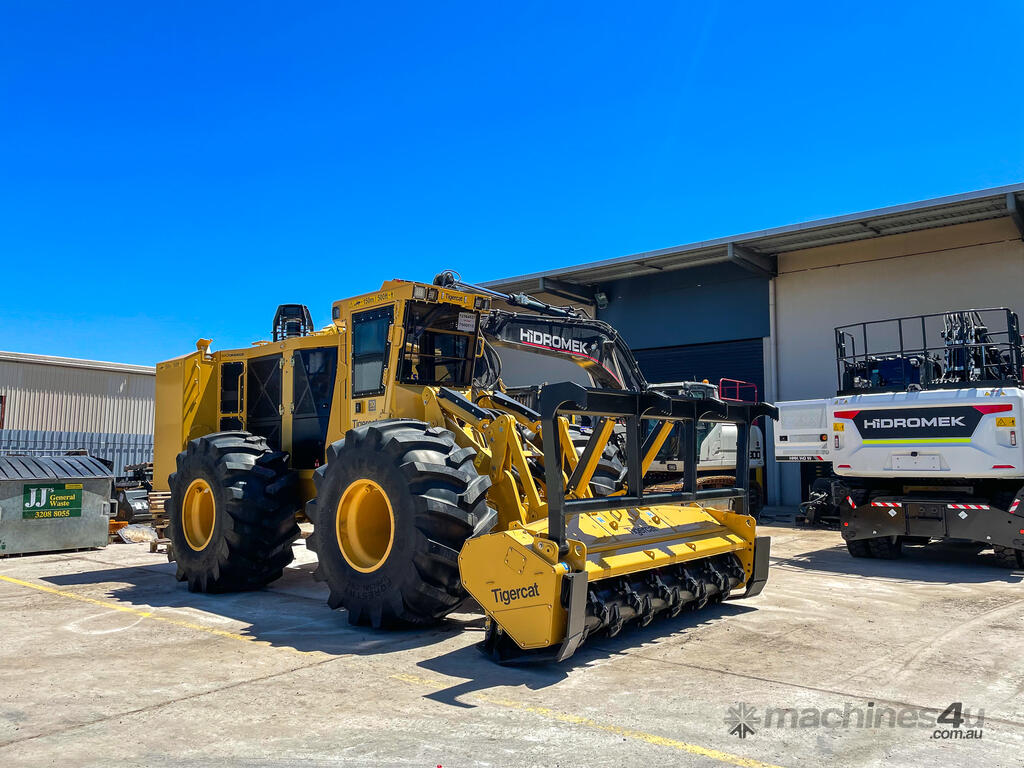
[422,487]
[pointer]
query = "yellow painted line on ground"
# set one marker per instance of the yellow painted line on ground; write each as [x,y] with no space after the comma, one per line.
[150,615]
[629,733]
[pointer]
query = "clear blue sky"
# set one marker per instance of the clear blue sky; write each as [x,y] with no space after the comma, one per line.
[176,170]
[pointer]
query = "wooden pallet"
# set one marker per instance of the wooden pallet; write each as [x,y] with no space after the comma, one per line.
[161,538]
[157,500]
[155,546]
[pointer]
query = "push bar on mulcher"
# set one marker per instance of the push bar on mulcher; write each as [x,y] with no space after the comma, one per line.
[633,408]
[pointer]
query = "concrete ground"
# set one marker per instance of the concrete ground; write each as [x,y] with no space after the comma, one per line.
[107,660]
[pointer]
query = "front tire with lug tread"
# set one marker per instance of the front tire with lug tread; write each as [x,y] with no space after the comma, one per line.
[231,513]
[396,500]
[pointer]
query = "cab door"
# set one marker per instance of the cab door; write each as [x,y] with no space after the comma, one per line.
[313,370]
[370,355]
[263,404]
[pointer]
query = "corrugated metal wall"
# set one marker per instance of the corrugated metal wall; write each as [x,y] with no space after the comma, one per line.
[52,407]
[76,399]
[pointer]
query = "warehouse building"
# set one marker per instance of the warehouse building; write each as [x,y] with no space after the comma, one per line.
[762,306]
[51,405]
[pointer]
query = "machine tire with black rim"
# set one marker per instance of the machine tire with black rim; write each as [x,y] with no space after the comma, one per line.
[886,547]
[396,501]
[859,548]
[1009,557]
[231,513]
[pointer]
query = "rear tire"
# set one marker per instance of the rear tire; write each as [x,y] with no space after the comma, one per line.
[394,561]
[859,548]
[886,547]
[237,530]
[1008,557]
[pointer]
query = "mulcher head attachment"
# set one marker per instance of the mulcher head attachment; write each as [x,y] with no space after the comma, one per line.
[599,564]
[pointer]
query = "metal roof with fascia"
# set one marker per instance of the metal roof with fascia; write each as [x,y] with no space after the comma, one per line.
[72,362]
[757,251]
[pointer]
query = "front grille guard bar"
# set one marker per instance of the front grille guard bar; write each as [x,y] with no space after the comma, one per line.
[632,408]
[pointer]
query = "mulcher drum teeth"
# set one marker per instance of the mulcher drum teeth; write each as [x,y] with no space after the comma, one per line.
[640,598]
[613,603]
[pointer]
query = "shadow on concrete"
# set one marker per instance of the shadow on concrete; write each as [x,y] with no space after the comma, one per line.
[482,674]
[946,562]
[292,612]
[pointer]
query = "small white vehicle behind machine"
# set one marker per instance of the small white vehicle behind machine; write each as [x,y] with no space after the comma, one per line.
[716,465]
[923,436]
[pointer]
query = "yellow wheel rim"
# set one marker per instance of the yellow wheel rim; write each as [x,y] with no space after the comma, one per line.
[365,525]
[198,514]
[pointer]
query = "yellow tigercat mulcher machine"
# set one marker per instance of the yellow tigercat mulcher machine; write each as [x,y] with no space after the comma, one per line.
[390,431]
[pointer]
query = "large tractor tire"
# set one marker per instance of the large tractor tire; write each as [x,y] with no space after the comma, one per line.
[231,513]
[395,502]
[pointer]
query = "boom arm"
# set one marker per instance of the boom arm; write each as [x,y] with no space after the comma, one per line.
[591,344]
[561,332]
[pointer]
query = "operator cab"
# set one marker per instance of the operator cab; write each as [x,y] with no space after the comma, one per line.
[439,345]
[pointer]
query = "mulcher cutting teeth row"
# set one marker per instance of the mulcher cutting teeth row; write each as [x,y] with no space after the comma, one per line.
[641,597]
[637,600]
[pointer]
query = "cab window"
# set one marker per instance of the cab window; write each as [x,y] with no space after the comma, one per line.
[440,345]
[370,350]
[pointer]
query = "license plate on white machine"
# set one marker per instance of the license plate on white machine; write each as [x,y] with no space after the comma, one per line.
[919,462]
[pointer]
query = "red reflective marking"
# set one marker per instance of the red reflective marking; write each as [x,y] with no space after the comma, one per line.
[994,408]
[846,414]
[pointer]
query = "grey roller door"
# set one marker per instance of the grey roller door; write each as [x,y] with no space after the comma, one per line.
[743,359]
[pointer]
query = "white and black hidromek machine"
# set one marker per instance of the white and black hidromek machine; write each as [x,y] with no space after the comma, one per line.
[716,443]
[923,435]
